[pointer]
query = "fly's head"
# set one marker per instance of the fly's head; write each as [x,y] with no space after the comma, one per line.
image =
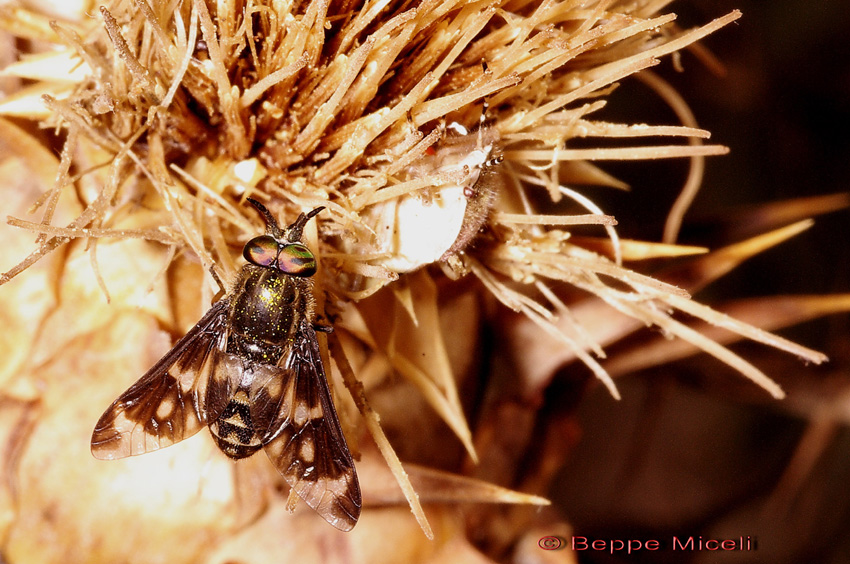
[282,249]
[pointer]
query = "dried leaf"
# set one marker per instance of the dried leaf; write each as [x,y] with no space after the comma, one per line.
[414,347]
[190,478]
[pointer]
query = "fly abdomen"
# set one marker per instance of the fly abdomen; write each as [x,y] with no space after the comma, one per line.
[234,431]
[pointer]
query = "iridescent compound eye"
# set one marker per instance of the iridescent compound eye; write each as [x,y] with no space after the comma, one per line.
[262,250]
[297,260]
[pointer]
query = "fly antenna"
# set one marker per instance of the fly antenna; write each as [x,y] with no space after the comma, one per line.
[294,231]
[272,227]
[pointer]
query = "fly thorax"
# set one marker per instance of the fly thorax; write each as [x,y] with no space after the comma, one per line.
[268,306]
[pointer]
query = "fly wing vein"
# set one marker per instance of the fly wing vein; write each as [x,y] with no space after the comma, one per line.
[176,398]
[301,434]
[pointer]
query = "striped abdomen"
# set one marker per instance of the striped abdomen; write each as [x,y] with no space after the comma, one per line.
[234,431]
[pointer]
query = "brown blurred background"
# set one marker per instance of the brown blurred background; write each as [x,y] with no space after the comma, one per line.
[689,450]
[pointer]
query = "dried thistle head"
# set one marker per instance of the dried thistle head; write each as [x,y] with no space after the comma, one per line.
[427,130]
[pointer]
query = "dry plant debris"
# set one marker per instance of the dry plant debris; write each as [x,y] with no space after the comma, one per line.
[427,129]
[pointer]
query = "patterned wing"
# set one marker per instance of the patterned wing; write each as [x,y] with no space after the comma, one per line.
[293,412]
[178,396]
